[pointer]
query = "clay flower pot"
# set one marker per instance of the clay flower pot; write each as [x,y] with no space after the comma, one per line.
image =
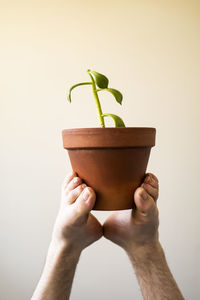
[112,161]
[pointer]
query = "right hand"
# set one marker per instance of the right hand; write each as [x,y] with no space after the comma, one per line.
[137,228]
[75,227]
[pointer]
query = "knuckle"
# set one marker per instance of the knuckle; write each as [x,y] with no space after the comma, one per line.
[155,179]
[74,183]
[80,188]
[75,191]
[71,193]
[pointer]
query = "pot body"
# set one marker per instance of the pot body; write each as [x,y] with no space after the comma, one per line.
[112,161]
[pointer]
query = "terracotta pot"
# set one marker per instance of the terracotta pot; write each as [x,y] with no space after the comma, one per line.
[112,161]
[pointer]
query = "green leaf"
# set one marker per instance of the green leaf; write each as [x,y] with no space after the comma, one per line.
[118,121]
[73,87]
[118,96]
[100,79]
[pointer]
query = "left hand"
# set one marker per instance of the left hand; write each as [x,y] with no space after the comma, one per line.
[137,229]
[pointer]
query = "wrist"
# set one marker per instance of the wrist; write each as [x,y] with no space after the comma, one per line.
[63,250]
[146,252]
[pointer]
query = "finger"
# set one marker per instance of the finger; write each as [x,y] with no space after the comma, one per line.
[153,192]
[85,202]
[74,194]
[76,181]
[152,180]
[67,179]
[145,204]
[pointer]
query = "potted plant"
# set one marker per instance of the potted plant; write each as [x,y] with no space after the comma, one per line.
[111,160]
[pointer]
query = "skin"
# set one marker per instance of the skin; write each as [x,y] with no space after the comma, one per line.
[75,229]
[75,225]
[132,229]
[136,231]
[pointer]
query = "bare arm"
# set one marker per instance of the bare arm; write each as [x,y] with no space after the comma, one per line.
[136,232]
[75,229]
[57,277]
[153,274]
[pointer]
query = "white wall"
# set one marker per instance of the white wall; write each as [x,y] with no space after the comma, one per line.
[150,50]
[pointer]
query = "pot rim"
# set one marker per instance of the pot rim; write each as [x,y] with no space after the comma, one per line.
[109,137]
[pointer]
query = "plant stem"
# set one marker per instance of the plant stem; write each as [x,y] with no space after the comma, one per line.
[74,86]
[82,83]
[101,119]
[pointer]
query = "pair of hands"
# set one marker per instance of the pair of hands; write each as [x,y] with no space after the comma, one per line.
[76,228]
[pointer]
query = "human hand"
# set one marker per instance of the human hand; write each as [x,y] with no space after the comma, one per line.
[137,228]
[75,227]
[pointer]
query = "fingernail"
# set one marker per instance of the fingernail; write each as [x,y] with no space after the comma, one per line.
[76,179]
[83,185]
[144,195]
[86,194]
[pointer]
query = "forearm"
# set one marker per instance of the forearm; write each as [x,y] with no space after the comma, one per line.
[153,274]
[57,277]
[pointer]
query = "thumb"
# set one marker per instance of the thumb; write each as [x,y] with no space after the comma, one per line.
[85,202]
[145,204]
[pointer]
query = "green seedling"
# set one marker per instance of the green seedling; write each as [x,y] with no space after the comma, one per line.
[99,83]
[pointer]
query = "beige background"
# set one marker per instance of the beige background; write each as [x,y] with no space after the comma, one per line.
[150,50]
